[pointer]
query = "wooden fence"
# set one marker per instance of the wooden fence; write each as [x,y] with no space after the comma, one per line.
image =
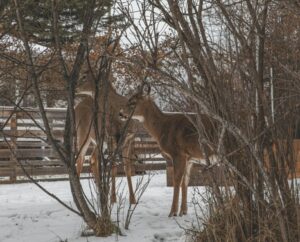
[23,141]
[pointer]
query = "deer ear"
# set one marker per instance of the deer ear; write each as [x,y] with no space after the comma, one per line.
[146,88]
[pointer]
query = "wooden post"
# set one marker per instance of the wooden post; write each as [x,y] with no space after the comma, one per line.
[13,143]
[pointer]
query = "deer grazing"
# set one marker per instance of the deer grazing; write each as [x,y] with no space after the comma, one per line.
[176,136]
[86,132]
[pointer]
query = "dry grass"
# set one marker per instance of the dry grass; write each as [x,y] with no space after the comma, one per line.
[232,221]
[104,227]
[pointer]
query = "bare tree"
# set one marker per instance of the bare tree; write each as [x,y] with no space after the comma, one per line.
[219,59]
[68,62]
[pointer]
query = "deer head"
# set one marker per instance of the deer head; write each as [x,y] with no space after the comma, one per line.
[135,105]
[87,84]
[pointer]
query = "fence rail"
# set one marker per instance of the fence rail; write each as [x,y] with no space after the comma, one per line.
[23,145]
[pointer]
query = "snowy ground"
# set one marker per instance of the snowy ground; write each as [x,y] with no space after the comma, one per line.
[28,214]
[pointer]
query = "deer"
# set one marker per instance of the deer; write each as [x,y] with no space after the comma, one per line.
[176,137]
[86,132]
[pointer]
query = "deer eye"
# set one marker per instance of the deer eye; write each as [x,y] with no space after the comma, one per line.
[132,103]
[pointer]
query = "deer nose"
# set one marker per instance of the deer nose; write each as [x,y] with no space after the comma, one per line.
[122,115]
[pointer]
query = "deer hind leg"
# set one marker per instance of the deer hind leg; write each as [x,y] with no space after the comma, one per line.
[179,168]
[127,152]
[184,189]
[111,148]
[83,146]
[95,166]
[113,196]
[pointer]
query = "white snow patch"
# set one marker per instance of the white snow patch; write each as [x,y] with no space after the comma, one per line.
[28,214]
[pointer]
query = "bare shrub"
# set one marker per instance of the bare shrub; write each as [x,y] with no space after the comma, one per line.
[231,61]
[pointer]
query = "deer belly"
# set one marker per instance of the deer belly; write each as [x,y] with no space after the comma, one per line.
[212,159]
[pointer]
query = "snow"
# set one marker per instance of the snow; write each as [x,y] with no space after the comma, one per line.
[28,214]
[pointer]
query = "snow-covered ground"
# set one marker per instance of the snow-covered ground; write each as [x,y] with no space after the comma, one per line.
[28,214]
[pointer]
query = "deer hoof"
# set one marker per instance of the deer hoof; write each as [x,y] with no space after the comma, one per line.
[172,214]
[182,212]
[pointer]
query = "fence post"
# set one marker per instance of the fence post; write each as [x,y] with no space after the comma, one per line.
[13,143]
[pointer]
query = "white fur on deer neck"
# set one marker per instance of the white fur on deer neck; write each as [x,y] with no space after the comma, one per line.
[140,118]
[88,93]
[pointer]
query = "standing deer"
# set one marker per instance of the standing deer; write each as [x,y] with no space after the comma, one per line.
[86,133]
[176,136]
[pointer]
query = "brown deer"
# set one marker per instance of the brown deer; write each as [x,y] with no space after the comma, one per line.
[86,133]
[176,136]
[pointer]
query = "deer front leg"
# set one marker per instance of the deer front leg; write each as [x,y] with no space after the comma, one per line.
[127,168]
[179,169]
[113,196]
[79,164]
[184,189]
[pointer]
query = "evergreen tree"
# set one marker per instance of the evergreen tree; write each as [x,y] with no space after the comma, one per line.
[38,19]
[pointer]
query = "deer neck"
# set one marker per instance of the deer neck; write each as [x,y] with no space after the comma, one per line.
[115,100]
[153,117]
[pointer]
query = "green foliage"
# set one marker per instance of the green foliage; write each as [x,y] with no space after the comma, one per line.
[38,18]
